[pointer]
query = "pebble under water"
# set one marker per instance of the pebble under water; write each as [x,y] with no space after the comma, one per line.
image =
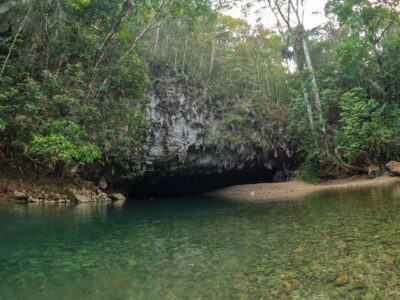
[329,245]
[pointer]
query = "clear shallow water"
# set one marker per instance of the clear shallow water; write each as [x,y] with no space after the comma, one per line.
[204,248]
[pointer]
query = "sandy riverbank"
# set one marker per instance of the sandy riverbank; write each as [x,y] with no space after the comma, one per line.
[296,189]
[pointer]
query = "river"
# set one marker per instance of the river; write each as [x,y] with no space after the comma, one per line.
[328,245]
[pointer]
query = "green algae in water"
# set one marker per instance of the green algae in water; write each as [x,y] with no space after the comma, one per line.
[329,245]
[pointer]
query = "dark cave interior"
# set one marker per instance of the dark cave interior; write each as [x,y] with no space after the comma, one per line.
[186,184]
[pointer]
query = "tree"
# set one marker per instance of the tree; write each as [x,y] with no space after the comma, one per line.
[365,131]
[75,61]
[291,14]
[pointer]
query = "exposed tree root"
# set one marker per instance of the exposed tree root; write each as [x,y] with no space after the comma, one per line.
[371,169]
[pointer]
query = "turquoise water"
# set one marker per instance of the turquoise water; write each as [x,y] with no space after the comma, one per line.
[205,248]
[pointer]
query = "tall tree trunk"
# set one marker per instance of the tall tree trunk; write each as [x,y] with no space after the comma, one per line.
[46,31]
[149,26]
[156,41]
[201,63]
[175,60]
[276,8]
[268,89]
[184,56]
[258,74]
[308,108]
[212,57]
[164,48]
[313,82]
[20,27]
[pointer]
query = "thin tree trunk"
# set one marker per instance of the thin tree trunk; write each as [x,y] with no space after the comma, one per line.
[286,19]
[184,56]
[20,27]
[175,60]
[309,110]
[60,64]
[201,62]
[268,88]
[146,28]
[114,29]
[314,83]
[212,57]
[164,47]
[276,86]
[47,43]
[258,74]
[101,49]
[300,20]
[156,41]
[266,78]
[134,44]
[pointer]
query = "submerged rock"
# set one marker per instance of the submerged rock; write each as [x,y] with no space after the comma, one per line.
[342,279]
[253,278]
[287,287]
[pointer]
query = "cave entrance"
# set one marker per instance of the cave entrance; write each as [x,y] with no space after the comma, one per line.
[186,184]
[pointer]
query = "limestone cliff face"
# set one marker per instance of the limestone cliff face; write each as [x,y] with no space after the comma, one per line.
[184,135]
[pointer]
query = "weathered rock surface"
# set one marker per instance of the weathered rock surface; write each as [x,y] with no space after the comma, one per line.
[20,195]
[394,167]
[117,197]
[87,196]
[184,133]
[14,185]
[33,199]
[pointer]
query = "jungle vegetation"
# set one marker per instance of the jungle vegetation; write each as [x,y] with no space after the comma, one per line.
[73,73]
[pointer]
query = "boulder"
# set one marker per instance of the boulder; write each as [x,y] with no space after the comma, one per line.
[394,167]
[103,197]
[86,196]
[117,197]
[20,195]
[80,196]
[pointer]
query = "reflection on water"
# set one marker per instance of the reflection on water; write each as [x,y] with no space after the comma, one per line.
[327,245]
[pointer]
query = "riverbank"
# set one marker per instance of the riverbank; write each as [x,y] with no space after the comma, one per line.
[296,189]
[26,186]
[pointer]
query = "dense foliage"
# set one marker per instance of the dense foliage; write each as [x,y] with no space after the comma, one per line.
[71,79]
[73,74]
[355,61]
